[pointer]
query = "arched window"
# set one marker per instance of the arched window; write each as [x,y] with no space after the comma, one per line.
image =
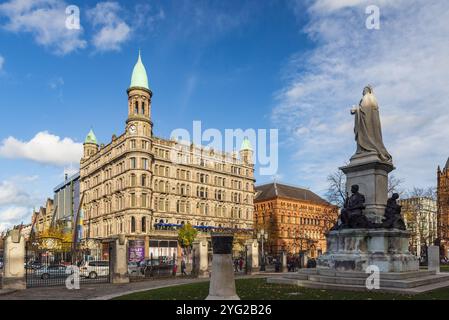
[143,107]
[144,224]
[133,180]
[133,224]
[136,107]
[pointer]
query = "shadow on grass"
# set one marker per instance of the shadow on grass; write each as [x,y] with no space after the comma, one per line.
[258,289]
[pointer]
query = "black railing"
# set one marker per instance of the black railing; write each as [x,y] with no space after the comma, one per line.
[46,267]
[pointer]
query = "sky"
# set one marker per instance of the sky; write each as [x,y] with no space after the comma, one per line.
[295,66]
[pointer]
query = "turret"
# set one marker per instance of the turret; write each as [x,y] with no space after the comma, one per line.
[139,101]
[246,152]
[90,145]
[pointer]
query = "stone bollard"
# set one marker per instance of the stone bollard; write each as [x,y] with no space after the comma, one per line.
[433,256]
[252,256]
[222,283]
[201,266]
[284,262]
[119,260]
[14,261]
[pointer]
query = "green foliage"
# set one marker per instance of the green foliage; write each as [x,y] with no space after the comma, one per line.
[187,235]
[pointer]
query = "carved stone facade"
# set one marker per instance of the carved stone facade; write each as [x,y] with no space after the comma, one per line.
[139,181]
[296,219]
[42,218]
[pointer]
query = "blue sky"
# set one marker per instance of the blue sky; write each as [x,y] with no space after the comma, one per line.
[296,66]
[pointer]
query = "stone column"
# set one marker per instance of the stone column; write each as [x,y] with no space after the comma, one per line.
[433,257]
[14,261]
[119,260]
[284,262]
[222,283]
[147,247]
[252,256]
[201,266]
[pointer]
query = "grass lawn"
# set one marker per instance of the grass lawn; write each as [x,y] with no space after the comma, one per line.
[258,289]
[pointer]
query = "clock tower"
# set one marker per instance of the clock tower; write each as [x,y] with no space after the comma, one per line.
[139,102]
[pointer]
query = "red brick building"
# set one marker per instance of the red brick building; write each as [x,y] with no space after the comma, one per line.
[295,219]
[443,207]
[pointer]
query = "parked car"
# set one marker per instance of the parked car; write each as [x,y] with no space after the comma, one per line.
[33,265]
[52,271]
[94,269]
[156,267]
[133,268]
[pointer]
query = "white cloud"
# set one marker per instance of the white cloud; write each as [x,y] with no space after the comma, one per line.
[10,193]
[111,30]
[44,148]
[16,204]
[56,83]
[14,214]
[45,20]
[407,62]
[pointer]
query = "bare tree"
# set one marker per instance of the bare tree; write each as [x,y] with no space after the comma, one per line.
[415,192]
[336,192]
[395,185]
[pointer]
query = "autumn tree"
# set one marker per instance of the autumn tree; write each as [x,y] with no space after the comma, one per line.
[186,236]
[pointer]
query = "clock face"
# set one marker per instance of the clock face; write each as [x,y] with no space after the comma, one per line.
[132,129]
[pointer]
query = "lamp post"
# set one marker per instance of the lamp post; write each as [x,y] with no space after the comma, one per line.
[262,236]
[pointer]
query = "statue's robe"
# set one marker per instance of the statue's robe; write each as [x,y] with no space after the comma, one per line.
[368,133]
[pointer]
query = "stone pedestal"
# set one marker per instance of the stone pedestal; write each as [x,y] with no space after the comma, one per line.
[284,262]
[356,249]
[252,256]
[201,266]
[433,256]
[14,261]
[222,283]
[119,260]
[371,175]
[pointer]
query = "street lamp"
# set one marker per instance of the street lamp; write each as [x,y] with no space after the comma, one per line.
[262,236]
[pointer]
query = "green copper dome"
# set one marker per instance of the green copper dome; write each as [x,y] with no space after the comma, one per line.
[246,145]
[91,138]
[139,77]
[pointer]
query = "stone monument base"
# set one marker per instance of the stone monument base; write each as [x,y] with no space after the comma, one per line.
[14,283]
[222,282]
[412,282]
[356,249]
[119,278]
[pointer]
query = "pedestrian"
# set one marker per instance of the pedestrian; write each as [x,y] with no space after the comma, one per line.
[175,269]
[183,268]
[241,263]
[236,265]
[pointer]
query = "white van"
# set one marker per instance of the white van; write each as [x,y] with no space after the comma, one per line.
[94,269]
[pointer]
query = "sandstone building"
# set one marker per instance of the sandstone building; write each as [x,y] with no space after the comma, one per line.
[443,207]
[420,216]
[145,186]
[42,219]
[296,219]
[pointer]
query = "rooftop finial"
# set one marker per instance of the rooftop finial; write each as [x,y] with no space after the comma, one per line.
[139,76]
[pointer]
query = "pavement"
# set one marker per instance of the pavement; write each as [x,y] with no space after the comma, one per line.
[103,291]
